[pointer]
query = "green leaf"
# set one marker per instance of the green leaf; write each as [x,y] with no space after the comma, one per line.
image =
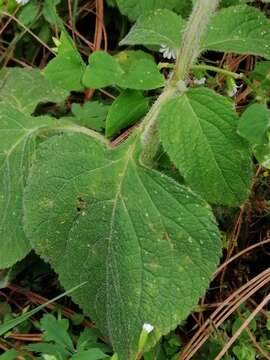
[91,114]
[134,8]
[25,88]
[103,70]
[239,29]
[67,68]
[262,153]
[147,245]
[18,134]
[261,73]
[198,130]
[29,13]
[140,71]
[49,11]
[254,124]
[150,29]
[91,354]
[49,349]
[88,339]
[56,330]
[11,354]
[244,351]
[129,70]
[128,108]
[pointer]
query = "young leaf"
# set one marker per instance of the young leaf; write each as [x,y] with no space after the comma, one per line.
[67,68]
[29,13]
[55,330]
[25,88]
[141,72]
[147,245]
[103,70]
[150,30]
[91,354]
[91,114]
[239,29]
[129,70]
[128,108]
[262,153]
[254,124]
[49,11]
[17,145]
[134,8]
[198,130]
[261,74]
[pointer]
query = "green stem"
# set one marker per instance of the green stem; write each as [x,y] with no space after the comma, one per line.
[196,27]
[204,67]
[217,70]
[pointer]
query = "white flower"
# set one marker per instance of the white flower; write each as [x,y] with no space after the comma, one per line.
[233,91]
[22,2]
[148,328]
[167,52]
[200,81]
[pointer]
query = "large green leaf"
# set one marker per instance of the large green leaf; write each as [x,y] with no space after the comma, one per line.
[67,68]
[25,88]
[198,130]
[134,8]
[240,29]
[155,28]
[129,70]
[146,245]
[17,145]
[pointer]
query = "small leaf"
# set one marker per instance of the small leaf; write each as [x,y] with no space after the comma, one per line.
[91,114]
[25,88]
[129,69]
[198,130]
[150,30]
[261,73]
[29,13]
[49,11]
[134,8]
[147,245]
[254,123]
[140,71]
[91,354]
[56,331]
[49,349]
[103,70]
[128,108]
[67,68]
[262,153]
[239,29]
[88,339]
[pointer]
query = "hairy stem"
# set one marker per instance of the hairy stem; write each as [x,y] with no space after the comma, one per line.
[186,56]
[196,26]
